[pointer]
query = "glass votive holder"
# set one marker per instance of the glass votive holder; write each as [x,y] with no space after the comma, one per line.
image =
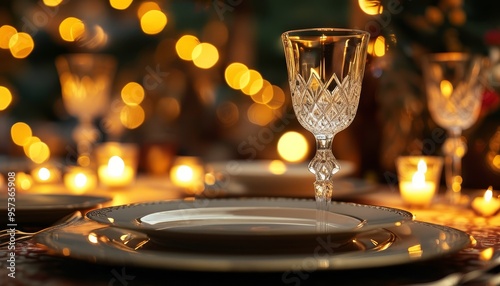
[419,178]
[116,164]
[79,180]
[188,173]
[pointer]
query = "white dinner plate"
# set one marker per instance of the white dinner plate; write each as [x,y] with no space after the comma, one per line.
[256,222]
[97,243]
[256,178]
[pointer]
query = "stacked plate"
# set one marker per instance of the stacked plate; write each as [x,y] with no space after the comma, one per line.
[252,234]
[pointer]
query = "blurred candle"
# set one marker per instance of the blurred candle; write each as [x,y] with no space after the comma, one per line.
[46,174]
[117,164]
[486,205]
[417,181]
[80,180]
[188,173]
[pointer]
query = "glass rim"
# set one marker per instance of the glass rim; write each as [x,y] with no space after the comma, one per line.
[338,32]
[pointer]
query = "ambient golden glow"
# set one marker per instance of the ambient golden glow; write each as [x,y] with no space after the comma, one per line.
[170,108]
[132,116]
[21,45]
[120,4]
[278,99]
[132,93]
[234,73]
[39,152]
[52,3]
[260,114]
[153,22]
[146,7]
[5,98]
[371,7]
[293,147]
[71,29]
[6,32]
[205,55]
[185,46]
[446,88]
[228,113]
[20,133]
[277,167]
[379,46]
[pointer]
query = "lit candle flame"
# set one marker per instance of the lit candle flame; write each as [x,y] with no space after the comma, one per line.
[488,195]
[80,180]
[418,178]
[446,88]
[116,166]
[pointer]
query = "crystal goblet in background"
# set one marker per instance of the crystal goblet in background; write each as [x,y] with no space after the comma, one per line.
[454,94]
[325,72]
[86,81]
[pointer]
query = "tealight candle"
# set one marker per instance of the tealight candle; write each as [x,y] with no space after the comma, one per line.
[117,164]
[188,173]
[486,205]
[80,180]
[46,174]
[418,178]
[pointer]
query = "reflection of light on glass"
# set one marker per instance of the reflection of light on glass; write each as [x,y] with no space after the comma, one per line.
[415,251]
[371,7]
[260,114]
[487,254]
[71,29]
[446,88]
[153,22]
[66,251]
[132,93]
[277,167]
[6,32]
[233,74]
[21,45]
[205,55]
[5,97]
[92,237]
[111,220]
[120,4]
[132,116]
[293,147]
[185,46]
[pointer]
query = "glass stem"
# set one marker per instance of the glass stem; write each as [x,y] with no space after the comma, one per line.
[323,166]
[454,149]
[85,135]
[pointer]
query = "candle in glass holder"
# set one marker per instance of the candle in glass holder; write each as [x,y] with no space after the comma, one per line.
[189,174]
[486,205]
[46,174]
[418,179]
[80,180]
[117,164]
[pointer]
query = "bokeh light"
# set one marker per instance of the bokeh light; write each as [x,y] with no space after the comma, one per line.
[260,114]
[265,94]
[39,152]
[132,93]
[6,32]
[120,4]
[21,45]
[233,74]
[146,7]
[30,141]
[71,29]
[52,3]
[20,133]
[153,22]
[169,108]
[254,82]
[205,55]
[379,46]
[132,116]
[371,7]
[278,99]
[293,147]
[228,113]
[277,167]
[185,46]
[5,98]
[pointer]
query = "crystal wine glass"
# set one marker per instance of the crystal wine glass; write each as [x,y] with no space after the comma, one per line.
[85,86]
[325,72]
[454,100]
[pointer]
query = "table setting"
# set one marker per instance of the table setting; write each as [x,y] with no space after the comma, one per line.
[153,211]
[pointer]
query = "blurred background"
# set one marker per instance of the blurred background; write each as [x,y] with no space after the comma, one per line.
[177,88]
